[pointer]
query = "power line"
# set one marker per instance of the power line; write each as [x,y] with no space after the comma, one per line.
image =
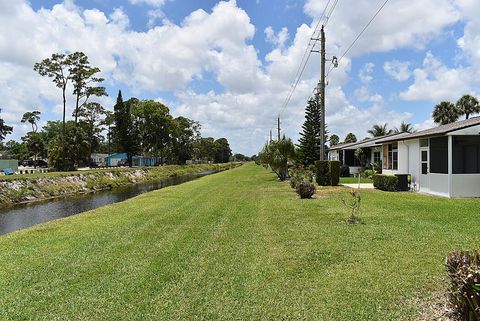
[327,18]
[305,58]
[359,35]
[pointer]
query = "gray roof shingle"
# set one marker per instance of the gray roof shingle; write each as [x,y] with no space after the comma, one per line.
[437,131]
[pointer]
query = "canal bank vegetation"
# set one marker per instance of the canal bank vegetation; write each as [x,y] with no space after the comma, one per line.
[29,188]
[140,129]
[239,245]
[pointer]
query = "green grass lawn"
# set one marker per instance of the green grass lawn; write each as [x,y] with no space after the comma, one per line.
[354,180]
[237,245]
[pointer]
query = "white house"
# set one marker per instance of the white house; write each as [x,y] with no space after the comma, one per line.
[372,148]
[444,160]
[99,159]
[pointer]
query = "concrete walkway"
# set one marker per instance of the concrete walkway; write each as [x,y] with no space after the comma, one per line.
[362,185]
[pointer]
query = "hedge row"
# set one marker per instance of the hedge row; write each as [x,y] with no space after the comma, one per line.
[327,173]
[385,182]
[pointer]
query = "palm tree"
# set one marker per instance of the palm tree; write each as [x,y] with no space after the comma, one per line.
[379,130]
[350,138]
[468,105]
[404,128]
[32,117]
[445,113]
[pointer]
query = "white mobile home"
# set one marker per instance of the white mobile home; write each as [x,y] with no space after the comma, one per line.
[442,161]
[372,148]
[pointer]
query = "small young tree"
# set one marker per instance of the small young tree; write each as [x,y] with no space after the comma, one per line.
[276,155]
[354,205]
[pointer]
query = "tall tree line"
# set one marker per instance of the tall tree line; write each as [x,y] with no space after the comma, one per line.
[143,127]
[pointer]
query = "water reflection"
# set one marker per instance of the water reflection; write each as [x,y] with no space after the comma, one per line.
[26,215]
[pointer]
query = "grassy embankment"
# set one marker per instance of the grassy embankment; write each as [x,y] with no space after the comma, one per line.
[34,187]
[237,245]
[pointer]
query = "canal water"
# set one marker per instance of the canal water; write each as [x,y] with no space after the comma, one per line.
[26,215]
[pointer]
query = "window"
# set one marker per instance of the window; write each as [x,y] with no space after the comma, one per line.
[424,161]
[376,158]
[466,155]
[393,156]
[439,155]
[424,168]
[424,142]
[350,159]
[424,155]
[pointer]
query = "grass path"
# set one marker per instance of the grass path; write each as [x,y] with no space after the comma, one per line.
[236,245]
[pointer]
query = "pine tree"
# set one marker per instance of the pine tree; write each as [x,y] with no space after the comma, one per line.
[124,128]
[309,142]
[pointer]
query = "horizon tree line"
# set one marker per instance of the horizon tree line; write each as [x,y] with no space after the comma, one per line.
[135,126]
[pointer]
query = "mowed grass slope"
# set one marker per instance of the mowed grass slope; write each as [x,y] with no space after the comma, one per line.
[237,245]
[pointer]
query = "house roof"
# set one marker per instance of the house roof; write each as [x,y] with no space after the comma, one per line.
[341,146]
[437,131]
[368,142]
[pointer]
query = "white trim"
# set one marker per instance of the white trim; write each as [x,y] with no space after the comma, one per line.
[450,165]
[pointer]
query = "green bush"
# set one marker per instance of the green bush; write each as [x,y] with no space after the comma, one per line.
[327,173]
[306,189]
[335,172]
[323,173]
[463,268]
[368,173]
[385,182]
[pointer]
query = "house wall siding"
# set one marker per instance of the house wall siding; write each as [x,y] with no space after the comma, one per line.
[438,184]
[465,185]
[414,159]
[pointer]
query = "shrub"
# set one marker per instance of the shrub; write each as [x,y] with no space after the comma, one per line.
[327,173]
[464,296]
[335,172]
[298,175]
[385,182]
[369,173]
[377,167]
[323,173]
[306,189]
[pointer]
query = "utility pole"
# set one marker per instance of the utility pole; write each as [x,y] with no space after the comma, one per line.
[270,135]
[278,128]
[322,94]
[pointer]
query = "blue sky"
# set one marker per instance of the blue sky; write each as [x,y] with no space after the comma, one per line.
[230,64]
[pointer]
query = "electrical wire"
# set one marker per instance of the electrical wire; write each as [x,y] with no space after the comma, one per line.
[358,36]
[305,58]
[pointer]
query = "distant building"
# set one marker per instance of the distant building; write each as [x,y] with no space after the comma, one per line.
[9,163]
[120,159]
[99,159]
